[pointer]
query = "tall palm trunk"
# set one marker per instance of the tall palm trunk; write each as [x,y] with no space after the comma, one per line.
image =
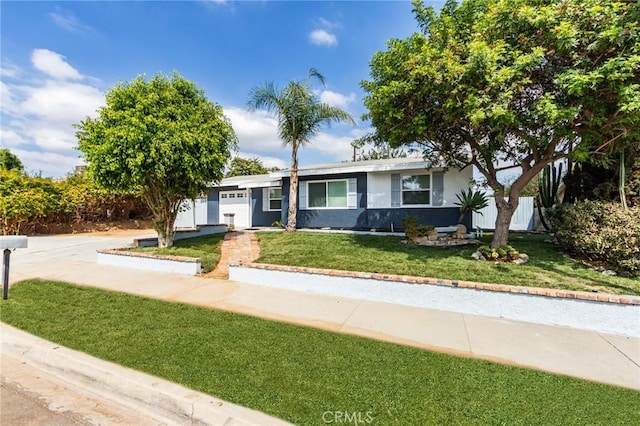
[293,189]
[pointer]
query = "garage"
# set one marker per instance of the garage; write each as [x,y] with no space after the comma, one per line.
[236,203]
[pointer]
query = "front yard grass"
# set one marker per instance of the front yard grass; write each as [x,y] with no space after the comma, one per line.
[547,267]
[207,248]
[298,373]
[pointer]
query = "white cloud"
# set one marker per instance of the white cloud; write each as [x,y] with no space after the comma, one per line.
[8,102]
[256,130]
[11,138]
[39,113]
[67,20]
[9,70]
[267,160]
[54,65]
[321,37]
[337,99]
[214,3]
[62,101]
[257,133]
[48,163]
[337,146]
[328,24]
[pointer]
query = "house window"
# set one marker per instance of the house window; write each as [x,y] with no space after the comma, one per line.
[223,195]
[275,198]
[327,194]
[416,190]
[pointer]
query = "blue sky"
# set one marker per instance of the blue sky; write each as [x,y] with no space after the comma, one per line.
[59,58]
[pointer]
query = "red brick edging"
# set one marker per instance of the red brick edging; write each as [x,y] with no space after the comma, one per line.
[534,291]
[124,252]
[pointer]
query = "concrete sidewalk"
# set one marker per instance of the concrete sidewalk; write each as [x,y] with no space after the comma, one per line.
[593,356]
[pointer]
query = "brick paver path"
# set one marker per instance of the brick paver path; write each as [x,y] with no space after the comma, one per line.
[237,247]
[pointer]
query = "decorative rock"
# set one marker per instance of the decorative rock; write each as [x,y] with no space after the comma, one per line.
[461,232]
[478,256]
[522,258]
[609,272]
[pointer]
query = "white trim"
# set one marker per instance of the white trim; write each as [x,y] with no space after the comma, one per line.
[402,191]
[267,192]
[326,181]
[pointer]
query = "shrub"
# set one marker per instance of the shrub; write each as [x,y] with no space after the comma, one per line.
[503,253]
[412,229]
[32,203]
[601,232]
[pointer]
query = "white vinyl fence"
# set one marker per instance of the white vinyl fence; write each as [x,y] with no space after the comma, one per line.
[522,220]
[194,214]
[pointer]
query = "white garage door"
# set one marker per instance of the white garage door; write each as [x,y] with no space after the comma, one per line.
[236,202]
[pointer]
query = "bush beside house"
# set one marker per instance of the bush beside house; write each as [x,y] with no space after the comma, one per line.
[601,232]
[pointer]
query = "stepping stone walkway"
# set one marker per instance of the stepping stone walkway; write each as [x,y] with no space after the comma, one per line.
[237,247]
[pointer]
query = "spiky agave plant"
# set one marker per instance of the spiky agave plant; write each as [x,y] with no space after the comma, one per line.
[471,201]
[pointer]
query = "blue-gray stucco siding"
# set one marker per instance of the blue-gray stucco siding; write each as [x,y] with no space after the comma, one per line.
[259,217]
[213,207]
[329,218]
[436,216]
[363,218]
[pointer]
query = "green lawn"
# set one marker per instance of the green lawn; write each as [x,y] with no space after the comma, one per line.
[547,267]
[297,373]
[206,248]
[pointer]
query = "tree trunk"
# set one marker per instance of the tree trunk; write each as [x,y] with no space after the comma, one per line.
[164,226]
[622,177]
[503,219]
[293,190]
[165,235]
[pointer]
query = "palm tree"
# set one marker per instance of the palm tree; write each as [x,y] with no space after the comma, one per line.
[300,115]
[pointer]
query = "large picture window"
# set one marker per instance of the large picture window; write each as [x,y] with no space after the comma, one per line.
[275,198]
[416,190]
[327,194]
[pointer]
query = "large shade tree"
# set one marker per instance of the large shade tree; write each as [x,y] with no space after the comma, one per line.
[520,83]
[300,116]
[160,138]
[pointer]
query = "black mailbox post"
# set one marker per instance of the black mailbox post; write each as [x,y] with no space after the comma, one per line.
[8,243]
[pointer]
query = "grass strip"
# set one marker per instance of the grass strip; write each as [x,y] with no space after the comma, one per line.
[298,373]
[207,248]
[547,266]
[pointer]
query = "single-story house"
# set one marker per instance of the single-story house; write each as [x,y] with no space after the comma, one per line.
[364,195]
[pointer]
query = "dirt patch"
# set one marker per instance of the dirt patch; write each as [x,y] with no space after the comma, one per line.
[106,229]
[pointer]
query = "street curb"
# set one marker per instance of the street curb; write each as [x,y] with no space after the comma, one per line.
[157,397]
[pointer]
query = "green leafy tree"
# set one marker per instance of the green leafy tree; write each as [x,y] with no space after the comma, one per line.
[300,115]
[247,167]
[160,138]
[9,161]
[519,82]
